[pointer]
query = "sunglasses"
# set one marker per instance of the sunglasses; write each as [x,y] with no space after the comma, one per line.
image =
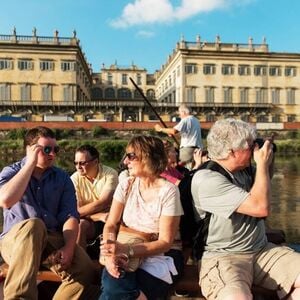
[48,149]
[131,156]
[83,163]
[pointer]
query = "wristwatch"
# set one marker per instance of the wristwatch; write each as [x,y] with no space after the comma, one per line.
[130,251]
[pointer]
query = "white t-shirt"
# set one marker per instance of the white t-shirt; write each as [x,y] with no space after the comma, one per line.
[190,132]
[144,216]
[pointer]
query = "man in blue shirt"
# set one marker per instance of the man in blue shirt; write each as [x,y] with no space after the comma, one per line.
[41,222]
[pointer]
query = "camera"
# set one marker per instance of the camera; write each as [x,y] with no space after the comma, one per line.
[260,142]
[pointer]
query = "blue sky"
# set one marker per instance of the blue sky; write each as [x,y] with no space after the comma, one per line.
[146,31]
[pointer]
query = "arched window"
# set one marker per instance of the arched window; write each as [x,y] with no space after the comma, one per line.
[110,93]
[151,94]
[137,94]
[97,93]
[124,93]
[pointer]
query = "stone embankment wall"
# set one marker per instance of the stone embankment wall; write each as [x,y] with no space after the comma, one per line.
[113,125]
[88,125]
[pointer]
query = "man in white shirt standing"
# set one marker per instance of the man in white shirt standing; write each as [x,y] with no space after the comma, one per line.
[190,132]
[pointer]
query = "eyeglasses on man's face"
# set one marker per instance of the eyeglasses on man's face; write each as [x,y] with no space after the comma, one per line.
[82,163]
[131,156]
[48,149]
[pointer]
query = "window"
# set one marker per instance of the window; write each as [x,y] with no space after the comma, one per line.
[276,119]
[25,92]
[109,93]
[68,66]
[244,70]
[170,80]
[262,119]
[178,71]
[124,79]
[290,96]
[109,79]
[139,79]
[244,95]
[47,92]
[97,93]
[291,118]
[210,117]
[150,94]
[290,71]
[6,64]
[190,68]
[209,94]
[190,94]
[25,64]
[261,95]
[124,93]
[275,71]
[69,93]
[275,95]
[46,65]
[209,69]
[227,69]
[5,92]
[227,93]
[260,70]
[136,94]
[245,118]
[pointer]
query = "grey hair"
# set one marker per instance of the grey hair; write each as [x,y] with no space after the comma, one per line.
[183,108]
[229,134]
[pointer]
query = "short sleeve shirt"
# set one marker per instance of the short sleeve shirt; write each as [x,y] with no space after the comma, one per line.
[229,231]
[50,198]
[190,132]
[87,191]
[144,216]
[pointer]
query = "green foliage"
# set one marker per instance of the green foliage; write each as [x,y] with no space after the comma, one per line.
[112,150]
[98,131]
[293,134]
[64,133]
[15,134]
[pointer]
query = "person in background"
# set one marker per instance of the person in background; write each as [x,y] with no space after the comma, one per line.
[238,254]
[144,203]
[94,184]
[41,223]
[190,132]
[171,173]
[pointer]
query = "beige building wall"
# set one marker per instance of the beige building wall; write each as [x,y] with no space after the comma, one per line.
[54,69]
[272,84]
[113,85]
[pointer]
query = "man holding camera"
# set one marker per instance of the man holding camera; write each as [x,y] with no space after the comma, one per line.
[238,254]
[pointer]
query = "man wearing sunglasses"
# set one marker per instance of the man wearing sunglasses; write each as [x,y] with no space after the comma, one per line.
[41,222]
[95,184]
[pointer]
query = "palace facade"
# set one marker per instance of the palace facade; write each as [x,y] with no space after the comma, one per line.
[49,78]
[232,80]
[41,76]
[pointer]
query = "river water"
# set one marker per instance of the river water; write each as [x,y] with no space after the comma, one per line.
[285,206]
